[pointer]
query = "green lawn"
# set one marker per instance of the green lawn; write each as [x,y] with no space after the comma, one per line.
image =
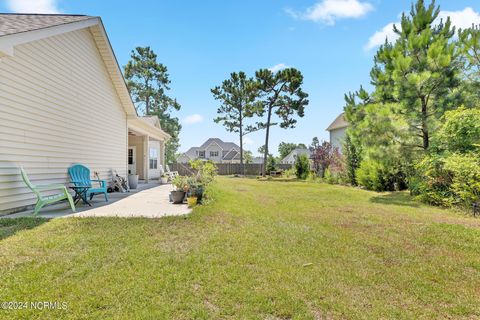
[261,250]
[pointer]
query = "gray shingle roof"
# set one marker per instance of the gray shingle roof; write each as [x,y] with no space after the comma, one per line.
[224,145]
[11,23]
[338,123]
[297,152]
[232,154]
[192,152]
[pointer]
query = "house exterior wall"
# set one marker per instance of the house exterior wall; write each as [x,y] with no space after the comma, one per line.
[337,138]
[214,148]
[58,107]
[183,159]
[290,159]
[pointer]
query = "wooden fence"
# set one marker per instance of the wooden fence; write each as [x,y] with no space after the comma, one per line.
[251,169]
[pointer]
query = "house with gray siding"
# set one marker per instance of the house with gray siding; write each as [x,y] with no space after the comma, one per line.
[214,149]
[294,154]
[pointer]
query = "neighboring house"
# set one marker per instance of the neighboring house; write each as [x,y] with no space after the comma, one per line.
[293,155]
[213,149]
[257,160]
[63,100]
[337,130]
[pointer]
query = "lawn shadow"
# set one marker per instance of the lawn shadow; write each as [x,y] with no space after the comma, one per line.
[396,198]
[10,226]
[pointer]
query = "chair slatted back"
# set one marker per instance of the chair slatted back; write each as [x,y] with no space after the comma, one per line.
[80,175]
[29,184]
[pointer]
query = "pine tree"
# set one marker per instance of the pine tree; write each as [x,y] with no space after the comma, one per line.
[148,80]
[280,94]
[237,96]
[419,71]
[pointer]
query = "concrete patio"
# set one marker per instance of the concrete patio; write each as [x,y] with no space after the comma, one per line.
[148,200]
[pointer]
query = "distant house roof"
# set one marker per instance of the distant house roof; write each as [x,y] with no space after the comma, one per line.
[338,123]
[296,152]
[12,23]
[192,152]
[227,146]
[231,155]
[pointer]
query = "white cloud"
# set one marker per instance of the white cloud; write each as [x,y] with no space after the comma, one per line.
[192,119]
[460,19]
[33,6]
[379,37]
[328,11]
[278,67]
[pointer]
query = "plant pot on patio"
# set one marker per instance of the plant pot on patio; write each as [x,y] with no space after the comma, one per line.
[177,196]
[163,180]
[197,192]
[133,181]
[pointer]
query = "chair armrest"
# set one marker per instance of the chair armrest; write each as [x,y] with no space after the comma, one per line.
[102,182]
[47,187]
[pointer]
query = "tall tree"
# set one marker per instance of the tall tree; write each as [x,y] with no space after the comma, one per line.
[469,40]
[315,143]
[237,96]
[280,94]
[419,71]
[148,80]
[248,156]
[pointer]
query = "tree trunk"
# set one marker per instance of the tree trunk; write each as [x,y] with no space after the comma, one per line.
[425,135]
[265,154]
[242,165]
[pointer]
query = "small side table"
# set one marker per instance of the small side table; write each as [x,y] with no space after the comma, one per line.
[80,193]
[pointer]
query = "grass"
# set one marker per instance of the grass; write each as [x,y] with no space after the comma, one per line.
[261,250]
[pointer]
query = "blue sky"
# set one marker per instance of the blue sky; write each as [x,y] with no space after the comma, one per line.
[331,41]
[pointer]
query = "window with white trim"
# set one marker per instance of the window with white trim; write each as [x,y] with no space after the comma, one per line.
[153,158]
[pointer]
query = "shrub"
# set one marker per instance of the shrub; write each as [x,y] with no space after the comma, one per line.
[323,156]
[369,175]
[206,171]
[290,173]
[302,166]
[378,176]
[271,164]
[465,171]
[450,174]
[460,131]
[352,160]
[448,180]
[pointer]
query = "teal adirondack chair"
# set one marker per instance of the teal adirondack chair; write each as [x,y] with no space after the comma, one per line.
[80,176]
[44,200]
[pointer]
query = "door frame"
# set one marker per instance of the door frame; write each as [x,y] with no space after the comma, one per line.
[134,158]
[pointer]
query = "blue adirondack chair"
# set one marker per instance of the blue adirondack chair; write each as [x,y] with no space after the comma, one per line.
[80,176]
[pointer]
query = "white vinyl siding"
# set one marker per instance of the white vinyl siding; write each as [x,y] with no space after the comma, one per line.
[337,138]
[58,107]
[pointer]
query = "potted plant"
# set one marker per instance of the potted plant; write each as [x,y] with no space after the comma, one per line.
[178,195]
[164,178]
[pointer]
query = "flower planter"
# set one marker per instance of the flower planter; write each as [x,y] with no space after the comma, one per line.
[133,181]
[177,196]
[163,180]
[192,202]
